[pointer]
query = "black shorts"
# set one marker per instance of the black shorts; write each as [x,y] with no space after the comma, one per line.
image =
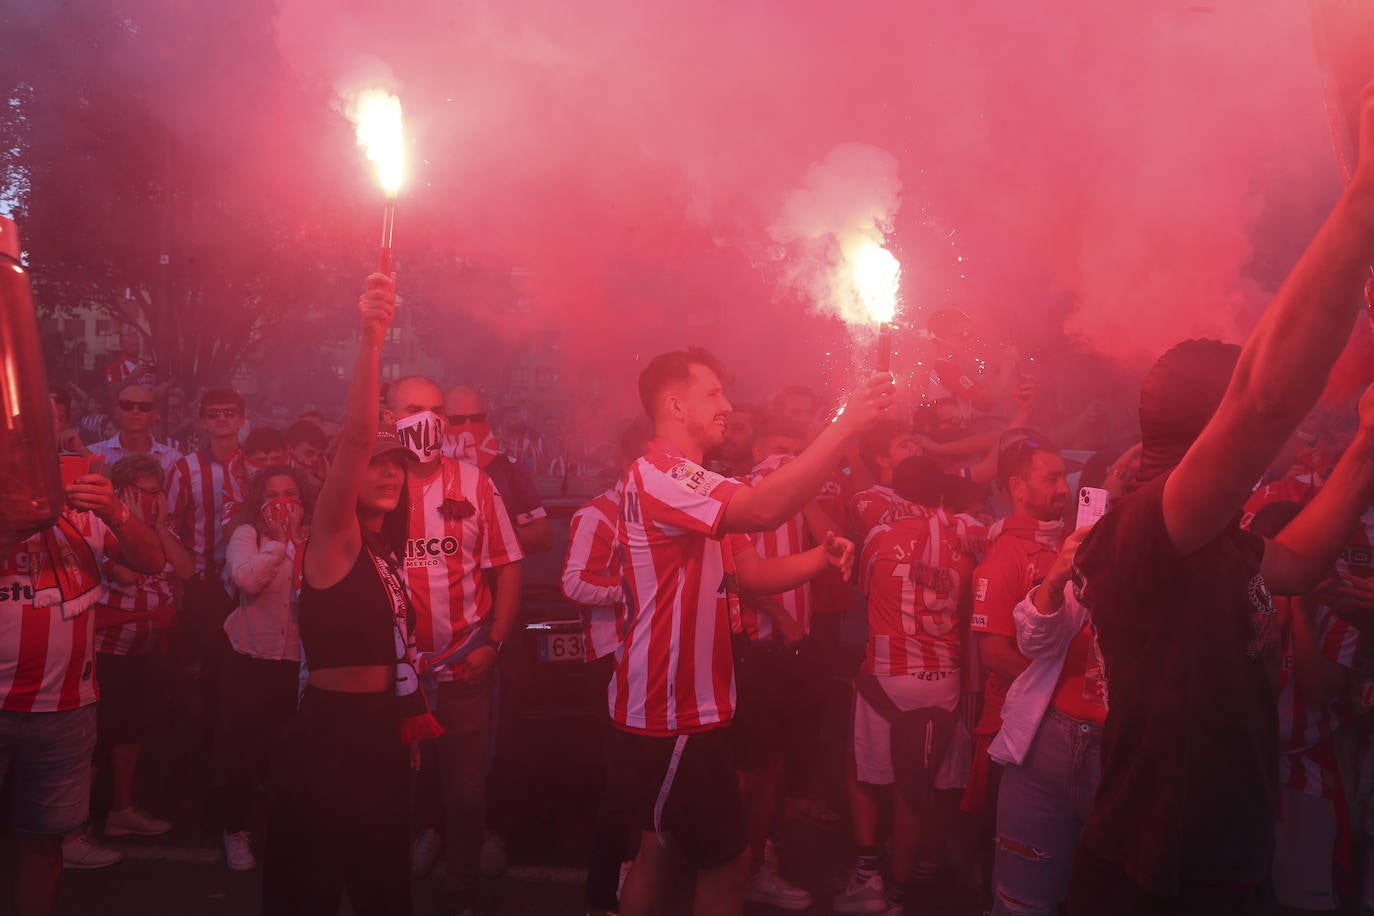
[133,693]
[684,788]
[773,704]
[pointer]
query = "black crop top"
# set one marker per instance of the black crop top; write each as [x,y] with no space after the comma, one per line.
[349,623]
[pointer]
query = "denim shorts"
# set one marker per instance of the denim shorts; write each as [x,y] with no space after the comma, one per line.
[46,759]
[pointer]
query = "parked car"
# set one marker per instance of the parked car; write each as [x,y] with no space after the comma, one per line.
[547,767]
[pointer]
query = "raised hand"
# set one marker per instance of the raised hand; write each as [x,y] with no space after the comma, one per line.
[377,306]
[868,403]
[840,553]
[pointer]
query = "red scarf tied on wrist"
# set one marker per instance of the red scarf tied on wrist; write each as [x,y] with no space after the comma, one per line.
[417,722]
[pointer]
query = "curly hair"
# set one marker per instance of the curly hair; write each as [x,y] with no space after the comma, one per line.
[249,512]
[131,467]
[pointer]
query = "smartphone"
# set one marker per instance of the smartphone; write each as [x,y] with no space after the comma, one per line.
[1092,505]
[72,467]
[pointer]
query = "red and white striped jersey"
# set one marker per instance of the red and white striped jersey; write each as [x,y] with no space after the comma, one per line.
[47,664]
[877,505]
[132,616]
[829,590]
[591,574]
[197,490]
[1307,760]
[916,579]
[789,538]
[675,672]
[118,371]
[445,556]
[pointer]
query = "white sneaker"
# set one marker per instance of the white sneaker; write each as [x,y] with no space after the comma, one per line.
[238,851]
[132,820]
[860,896]
[78,851]
[767,886]
[424,852]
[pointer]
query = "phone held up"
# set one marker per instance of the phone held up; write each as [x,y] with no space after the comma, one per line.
[1092,505]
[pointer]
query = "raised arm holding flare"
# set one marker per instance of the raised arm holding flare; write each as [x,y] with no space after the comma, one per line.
[786,492]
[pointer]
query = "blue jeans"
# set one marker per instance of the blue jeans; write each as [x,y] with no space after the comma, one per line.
[1041,810]
[47,759]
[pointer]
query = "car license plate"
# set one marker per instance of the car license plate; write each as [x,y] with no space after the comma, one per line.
[560,647]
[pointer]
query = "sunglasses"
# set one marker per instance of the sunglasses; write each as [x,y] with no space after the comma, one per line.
[458,419]
[140,406]
[214,413]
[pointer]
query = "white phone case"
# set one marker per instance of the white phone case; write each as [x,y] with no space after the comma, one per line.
[1092,505]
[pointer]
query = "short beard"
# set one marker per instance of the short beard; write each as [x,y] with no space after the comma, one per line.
[707,436]
[1045,513]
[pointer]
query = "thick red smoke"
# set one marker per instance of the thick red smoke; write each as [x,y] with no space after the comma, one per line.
[1139,172]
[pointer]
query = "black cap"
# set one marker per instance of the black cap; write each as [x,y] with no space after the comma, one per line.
[387,442]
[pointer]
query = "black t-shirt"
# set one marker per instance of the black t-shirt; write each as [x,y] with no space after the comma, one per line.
[1190,749]
[517,490]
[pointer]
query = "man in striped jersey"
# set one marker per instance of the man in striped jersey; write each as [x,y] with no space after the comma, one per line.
[463,570]
[472,440]
[131,628]
[48,584]
[198,488]
[1316,655]
[882,449]
[130,363]
[916,576]
[591,578]
[675,677]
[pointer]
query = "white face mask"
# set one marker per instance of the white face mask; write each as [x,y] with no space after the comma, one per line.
[423,434]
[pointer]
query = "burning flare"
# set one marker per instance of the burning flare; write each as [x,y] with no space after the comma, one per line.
[377,116]
[875,274]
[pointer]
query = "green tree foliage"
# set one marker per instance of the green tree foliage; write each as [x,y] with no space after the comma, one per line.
[165,169]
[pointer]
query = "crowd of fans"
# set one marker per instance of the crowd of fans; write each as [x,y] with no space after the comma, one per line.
[1161,710]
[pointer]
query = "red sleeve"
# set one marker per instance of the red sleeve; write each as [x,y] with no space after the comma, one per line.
[999,584]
